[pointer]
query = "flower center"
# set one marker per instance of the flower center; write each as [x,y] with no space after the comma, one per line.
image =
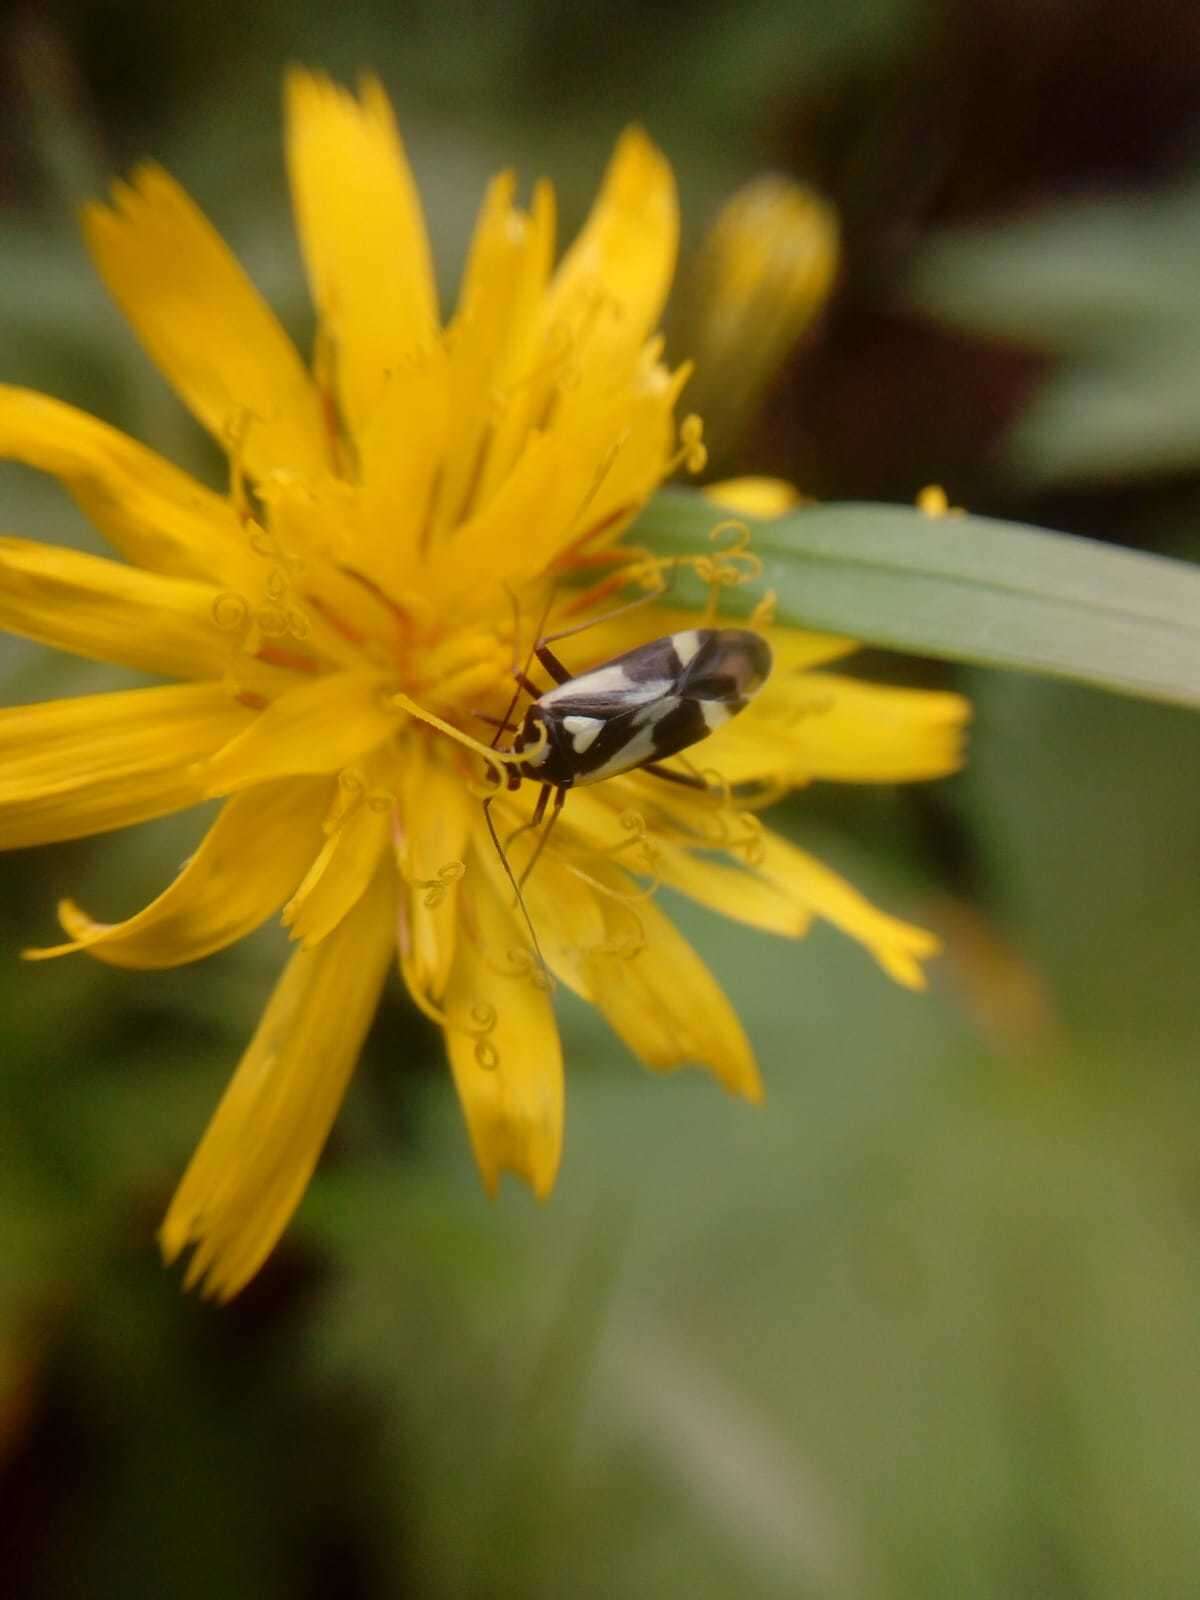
[458,673]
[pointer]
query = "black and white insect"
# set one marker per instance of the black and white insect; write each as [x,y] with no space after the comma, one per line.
[638,709]
[631,713]
[628,714]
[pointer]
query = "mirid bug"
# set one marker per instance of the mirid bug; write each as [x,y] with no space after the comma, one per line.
[629,714]
[638,709]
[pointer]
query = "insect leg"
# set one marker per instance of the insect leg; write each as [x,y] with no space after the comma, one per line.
[689,780]
[539,811]
[520,675]
[530,688]
[610,615]
[560,796]
[552,664]
[550,661]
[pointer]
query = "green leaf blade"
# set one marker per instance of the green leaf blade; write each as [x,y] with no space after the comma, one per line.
[962,588]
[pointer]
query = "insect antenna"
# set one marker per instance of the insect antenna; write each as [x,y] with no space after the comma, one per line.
[522,676]
[504,724]
[650,598]
[509,874]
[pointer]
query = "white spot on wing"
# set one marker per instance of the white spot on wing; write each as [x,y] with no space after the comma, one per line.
[584,732]
[686,645]
[633,753]
[611,681]
[715,713]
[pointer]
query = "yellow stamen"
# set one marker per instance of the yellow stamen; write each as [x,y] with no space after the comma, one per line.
[503,758]
[692,453]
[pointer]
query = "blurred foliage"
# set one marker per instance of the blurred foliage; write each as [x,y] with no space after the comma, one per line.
[923,1325]
[1108,288]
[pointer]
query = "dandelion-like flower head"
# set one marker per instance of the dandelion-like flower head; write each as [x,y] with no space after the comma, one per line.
[341,621]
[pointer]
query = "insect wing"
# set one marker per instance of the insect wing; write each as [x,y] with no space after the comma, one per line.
[725,665]
[606,718]
[656,700]
[637,678]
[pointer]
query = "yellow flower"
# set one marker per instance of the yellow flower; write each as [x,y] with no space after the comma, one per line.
[396,519]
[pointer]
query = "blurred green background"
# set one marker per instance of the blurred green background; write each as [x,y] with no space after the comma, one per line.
[926,1324]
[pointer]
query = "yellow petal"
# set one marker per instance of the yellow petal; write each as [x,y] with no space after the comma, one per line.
[343,870]
[511,539]
[205,325]
[567,915]
[561,895]
[732,890]
[614,435]
[259,1151]
[613,823]
[111,612]
[582,371]
[626,251]
[498,340]
[504,370]
[500,371]
[691,819]
[69,768]
[362,232]
[332,532]
[660,997]
[643,455]
[503,1043]
[820,725]
[899,947]
[249,861]
[436,815]
[506,274]
[321,726]
[695,819]
[401,454]
[797,650]
[755,497]
[157,516]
